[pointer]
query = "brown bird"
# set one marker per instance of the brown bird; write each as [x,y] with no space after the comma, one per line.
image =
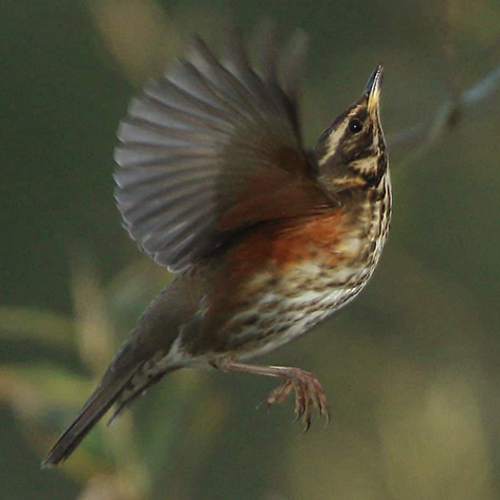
[267,238]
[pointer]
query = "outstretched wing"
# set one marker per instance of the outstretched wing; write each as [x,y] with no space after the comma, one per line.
[212,147]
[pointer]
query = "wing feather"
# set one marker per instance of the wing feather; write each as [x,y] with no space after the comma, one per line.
[197,141]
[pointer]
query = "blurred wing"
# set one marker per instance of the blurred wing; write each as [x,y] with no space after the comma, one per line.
[211,147]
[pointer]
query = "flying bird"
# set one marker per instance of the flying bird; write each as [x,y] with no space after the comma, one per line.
[266,238]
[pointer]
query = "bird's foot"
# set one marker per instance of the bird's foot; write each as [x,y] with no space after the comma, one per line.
[308,395]
[308,391]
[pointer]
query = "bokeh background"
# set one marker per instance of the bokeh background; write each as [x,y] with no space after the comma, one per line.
[411,368]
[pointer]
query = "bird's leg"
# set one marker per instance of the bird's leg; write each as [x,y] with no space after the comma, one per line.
[308,390]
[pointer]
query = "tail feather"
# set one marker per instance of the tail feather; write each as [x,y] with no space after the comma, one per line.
[96,406]
[139,387]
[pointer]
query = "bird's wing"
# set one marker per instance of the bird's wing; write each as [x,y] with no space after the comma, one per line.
[212,147]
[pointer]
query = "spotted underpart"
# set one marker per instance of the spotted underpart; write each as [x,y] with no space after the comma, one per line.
[287,302]
[281,303]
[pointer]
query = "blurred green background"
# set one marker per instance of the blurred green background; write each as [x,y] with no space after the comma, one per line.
[411,368]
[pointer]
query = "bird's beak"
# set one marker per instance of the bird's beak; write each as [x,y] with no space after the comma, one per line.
[373,86]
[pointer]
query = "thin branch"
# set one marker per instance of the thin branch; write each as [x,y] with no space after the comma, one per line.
[419,138]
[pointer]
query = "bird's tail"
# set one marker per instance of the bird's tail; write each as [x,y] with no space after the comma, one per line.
[107,392]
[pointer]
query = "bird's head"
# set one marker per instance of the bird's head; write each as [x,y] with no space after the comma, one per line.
[351,153]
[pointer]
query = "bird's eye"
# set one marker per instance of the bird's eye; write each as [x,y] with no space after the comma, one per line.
[355,126]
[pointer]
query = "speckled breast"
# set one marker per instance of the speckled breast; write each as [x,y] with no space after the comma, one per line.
[288,300]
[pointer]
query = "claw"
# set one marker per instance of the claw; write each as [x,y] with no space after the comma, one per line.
[307,424]
[328,418]
[261,403]
[298,416]
[308,394]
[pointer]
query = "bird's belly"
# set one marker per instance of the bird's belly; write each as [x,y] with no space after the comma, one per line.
[298,300]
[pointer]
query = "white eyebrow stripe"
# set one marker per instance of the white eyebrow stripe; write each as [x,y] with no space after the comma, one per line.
[335,138]
[333,142]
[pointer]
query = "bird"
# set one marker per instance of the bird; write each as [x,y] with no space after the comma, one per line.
[266,238]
